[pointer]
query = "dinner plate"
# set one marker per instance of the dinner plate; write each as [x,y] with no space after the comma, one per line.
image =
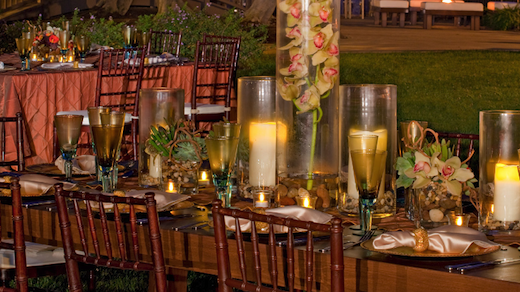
[7,68]
[53,170]
[409,252]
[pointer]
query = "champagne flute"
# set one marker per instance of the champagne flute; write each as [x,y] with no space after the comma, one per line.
[94,117]
[24,45]
[68,128]
[64,36]
[83,44]
[368,165]
[107,139]
[222,152]
[129,36]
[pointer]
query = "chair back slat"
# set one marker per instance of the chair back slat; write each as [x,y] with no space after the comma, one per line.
[274,223]
[240,249]
[112,256]
[15,126]
[104,229]
[119,233]
[81,230]
[165,41]
[460,143]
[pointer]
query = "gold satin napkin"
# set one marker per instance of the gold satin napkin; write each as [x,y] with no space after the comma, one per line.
[445,239]
[37,185]
[164,200]
[295,212]
[84,164]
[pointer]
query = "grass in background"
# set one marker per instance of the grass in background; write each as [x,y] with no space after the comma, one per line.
[447,89]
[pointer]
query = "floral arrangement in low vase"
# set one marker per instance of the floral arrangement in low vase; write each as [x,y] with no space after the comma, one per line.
[180,150]
[437,177]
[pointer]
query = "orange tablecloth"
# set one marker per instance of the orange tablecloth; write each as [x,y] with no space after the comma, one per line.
[39,95]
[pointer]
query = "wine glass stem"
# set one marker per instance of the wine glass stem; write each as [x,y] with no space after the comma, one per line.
[68,170]
[366,208]
[222,190]
[106,181]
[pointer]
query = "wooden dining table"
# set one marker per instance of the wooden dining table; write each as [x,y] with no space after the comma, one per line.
[40,93]
[194,250]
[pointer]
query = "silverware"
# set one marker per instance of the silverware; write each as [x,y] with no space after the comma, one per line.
[477,264]
[302,240]
[192,225]
[350,244]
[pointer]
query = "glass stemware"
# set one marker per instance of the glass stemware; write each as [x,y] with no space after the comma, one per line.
[64,36]
[222,152]
[368,165]
[107,140]
[94,117]
[83,44]
[129,36]
[24,45]
[68,128]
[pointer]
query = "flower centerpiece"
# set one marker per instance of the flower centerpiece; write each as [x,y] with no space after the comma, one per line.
[438,177]
[179,150]
[46,41]
[307,82]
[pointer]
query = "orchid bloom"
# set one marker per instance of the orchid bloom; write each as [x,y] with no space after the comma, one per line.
[331,50]
[452,173]
[422,171]
[298,67]
[290,89]
[308,101]
[293,9]
[296,35]
[320,12]
[328,75]
[319,38]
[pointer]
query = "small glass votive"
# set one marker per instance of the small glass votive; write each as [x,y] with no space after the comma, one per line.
[204,177]
[263,199]
[169,186]
[306,202]
[458,219]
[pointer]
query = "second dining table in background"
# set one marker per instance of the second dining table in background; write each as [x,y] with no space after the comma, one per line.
[39,94]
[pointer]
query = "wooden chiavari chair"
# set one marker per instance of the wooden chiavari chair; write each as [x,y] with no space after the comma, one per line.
[165,41]
[272,252]
[19,124]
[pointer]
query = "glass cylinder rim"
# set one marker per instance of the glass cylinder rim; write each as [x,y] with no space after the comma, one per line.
[267,78]
[499,112]
[363,135]
[221,138]
[69,116]
[368,85]
[160,89]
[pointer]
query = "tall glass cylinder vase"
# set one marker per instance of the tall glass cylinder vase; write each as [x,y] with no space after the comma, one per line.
[307,104]
[499,181]
[256,155]
[157,107]
[368,109]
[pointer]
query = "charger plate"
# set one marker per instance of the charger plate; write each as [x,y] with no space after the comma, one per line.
[409,252]
[53,170]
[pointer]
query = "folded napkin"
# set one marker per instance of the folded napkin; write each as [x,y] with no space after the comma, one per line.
[445,239]
[84,164]
[37,184]
[164,200]
[65,65]
[164,57]
[295,212]
[1,65]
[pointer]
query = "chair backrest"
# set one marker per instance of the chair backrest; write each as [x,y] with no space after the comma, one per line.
[463,143]
[17,124]
[165,41]
[213,74]
[226,282]
[206,38]
[120,74]
[19,238]
[116,245]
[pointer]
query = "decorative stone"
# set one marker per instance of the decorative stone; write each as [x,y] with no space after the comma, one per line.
[436,215]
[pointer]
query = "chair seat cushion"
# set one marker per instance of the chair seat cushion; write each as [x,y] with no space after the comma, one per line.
[454,6]
[36,254]
[84,113]
[390,3]
[492,5]
[204,108]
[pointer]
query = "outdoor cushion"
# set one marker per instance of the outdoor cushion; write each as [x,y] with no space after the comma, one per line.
[390,3]
[501,5]
[452,6]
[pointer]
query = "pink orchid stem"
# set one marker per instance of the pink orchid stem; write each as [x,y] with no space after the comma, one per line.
[313,148]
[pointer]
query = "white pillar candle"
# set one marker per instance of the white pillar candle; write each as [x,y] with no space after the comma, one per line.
[507,193]
[382,141]
[262,154]
[155,166]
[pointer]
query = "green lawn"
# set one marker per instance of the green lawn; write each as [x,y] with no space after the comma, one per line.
[447,89]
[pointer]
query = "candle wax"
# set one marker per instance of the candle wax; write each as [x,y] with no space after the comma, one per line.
[506,199]
[262,154]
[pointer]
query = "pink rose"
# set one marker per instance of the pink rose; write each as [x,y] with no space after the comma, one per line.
[296,10]
[447,171]
[319,39]
[422,165]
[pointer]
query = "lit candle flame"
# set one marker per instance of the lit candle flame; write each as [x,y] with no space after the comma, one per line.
[458,222]
[261,197]
[171,188]
[306,203]
[204,175]
[492,208]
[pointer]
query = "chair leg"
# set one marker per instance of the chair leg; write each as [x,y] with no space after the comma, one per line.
[384,17]
[376,17]
[92,280]
[394,18]
[413,17]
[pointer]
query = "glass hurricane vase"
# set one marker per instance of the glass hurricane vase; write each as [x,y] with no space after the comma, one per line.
[307,71]
[433,203]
